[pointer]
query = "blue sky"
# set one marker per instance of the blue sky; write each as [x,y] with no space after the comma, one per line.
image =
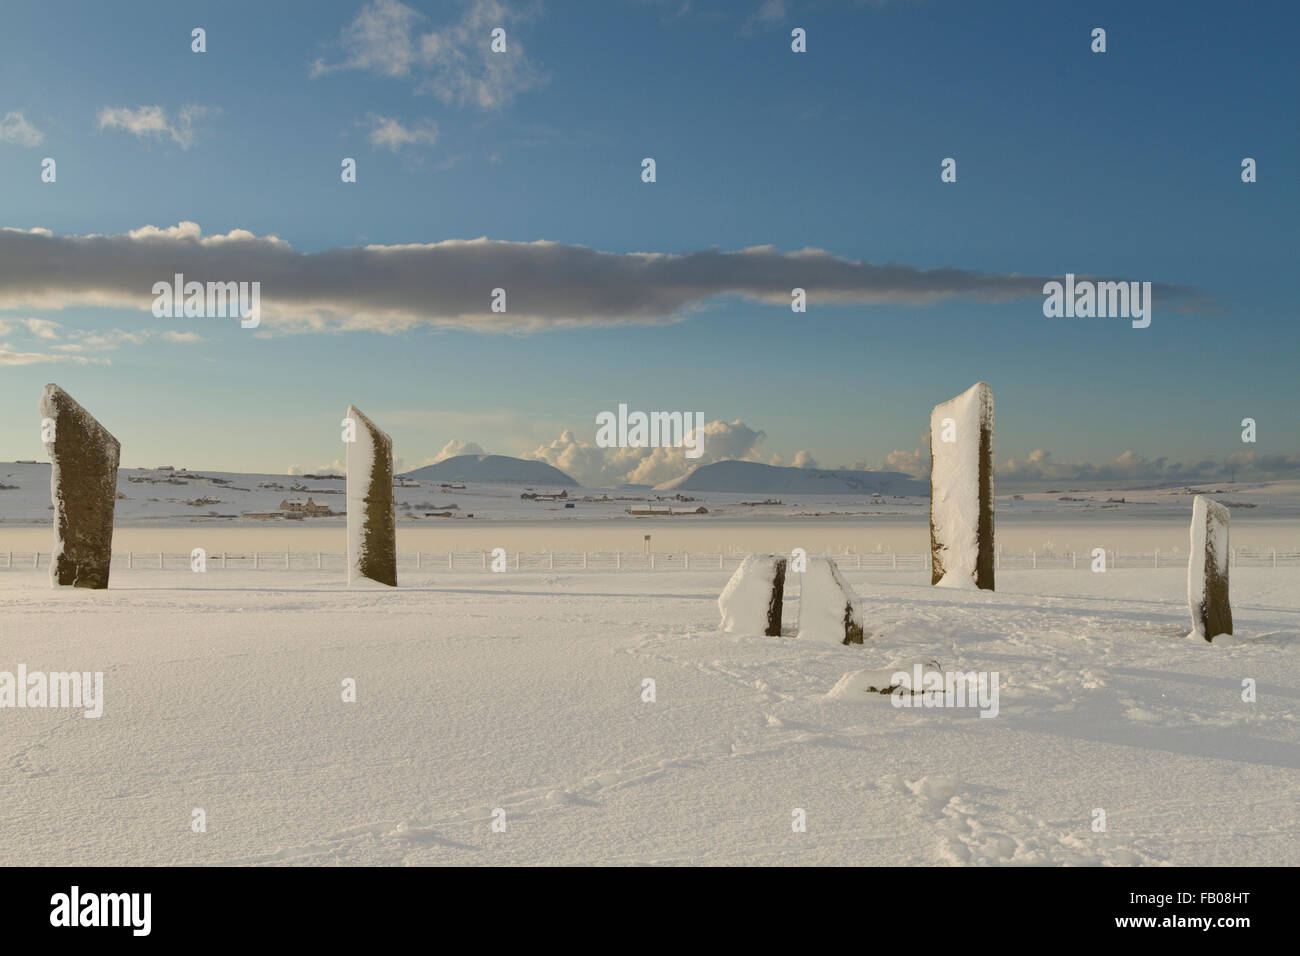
[1123,164]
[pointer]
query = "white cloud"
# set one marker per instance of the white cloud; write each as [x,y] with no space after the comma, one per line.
[915,462]
[9,357]
[456,447]
[74,341]
[597,467]
[379,39]
[39,328]
[455,63]
[42,328]
[390,134]
[16,128]
[150,122]
[466,71]
[447,284]
[1040,465]
[103,340]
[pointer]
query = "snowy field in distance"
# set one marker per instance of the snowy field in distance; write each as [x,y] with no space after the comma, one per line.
[150,497]
[523,692]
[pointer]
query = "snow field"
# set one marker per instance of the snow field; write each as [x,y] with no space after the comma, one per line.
[524,692]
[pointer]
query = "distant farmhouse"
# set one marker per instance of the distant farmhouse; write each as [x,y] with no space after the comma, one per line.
[538,496]
[294,508]
[666,510]
[308,507]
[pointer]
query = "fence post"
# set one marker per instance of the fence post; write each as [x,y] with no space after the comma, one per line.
[688,560]
[417,560]
[286,560]
[584,560]
[223,560]
[1033,559]
[448,560]
[130,560]
[652,560]
[484,560]
[893,556]
[36,561]
[10,562]
[721,559]
[550,564]
[1074,560]
[859,560]
[255,561]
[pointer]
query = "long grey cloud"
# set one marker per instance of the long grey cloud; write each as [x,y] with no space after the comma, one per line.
[451,283]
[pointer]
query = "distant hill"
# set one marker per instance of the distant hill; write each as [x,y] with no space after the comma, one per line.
[751,477]
[492,469]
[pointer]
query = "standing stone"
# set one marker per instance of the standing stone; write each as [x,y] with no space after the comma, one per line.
[961,490]
[1207,570]
[372,521]
[828,608]
[83,489]
[751,601]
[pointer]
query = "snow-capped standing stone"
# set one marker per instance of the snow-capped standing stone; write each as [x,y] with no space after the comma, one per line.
[961,490]
[828,608]
[751,601]
[83,489]
[1207,570]
[372,521]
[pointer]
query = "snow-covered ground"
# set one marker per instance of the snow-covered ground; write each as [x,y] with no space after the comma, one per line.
[151,498]
[524,692]
[206,510]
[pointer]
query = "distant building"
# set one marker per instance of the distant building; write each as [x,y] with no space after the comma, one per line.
[308,507]
[537,496]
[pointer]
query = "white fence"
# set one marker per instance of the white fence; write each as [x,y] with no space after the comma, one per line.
[638,560]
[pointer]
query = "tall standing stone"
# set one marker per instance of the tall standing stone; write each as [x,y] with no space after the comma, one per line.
[961,490]
[372,520]
[1207,570]
[751,602]
[83,489]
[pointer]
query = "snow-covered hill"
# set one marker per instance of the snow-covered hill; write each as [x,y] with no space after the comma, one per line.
[751,477]
[494,469]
